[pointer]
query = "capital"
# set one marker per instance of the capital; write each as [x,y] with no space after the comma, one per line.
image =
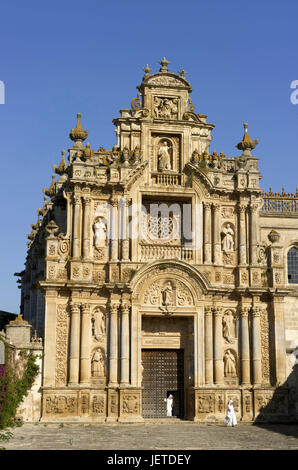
[241,208]
[208,310]
[207,206]
[125,308]
[76,199]
[85,308]
[86,200]
[256,311]
[114,308]
[74,308]
[218,311]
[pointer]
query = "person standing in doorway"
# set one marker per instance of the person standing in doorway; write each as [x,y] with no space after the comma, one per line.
[230,419]
[169,401]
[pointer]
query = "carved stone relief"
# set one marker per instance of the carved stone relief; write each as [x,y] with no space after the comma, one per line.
[166,108]
[264,324]
[130,404]
[61,345]
[60,404]
[168,293]
[98,404]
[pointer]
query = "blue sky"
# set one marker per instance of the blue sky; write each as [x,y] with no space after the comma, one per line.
[62,57]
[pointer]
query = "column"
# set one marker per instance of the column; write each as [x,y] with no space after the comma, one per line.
[86,227]
[242,234]
[218,356]
[245,361]
[125,230]
[74,344]
[280,341]
[85,345]
[50,337]
[76,242]
[216,235]
[256,346]
[207,232]
[253,233]
[208,346]
[113,377]
[124,378]
[114,242]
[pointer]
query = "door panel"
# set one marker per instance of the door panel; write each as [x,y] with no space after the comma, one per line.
[163,373]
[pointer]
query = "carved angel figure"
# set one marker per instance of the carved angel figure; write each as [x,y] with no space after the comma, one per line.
[228,242]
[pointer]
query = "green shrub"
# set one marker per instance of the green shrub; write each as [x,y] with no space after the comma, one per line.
[13,390]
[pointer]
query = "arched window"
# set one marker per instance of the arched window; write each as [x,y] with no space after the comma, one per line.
[293,266]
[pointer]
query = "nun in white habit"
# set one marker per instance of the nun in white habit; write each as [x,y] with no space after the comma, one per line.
[169,401]
[230,419]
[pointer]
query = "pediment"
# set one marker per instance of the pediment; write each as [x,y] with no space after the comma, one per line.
[167,80]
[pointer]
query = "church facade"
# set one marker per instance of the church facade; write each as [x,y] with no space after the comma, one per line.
[158,268]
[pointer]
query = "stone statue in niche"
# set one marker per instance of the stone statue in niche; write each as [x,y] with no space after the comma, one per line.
[228,241]
[164,157]
[100,232]
[97,364]
[228,327]
[98,324]
[229,364]
[167,294]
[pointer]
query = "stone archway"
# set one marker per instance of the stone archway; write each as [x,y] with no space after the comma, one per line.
[167,317]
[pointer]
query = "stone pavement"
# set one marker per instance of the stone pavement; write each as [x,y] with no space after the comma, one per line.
[153,436]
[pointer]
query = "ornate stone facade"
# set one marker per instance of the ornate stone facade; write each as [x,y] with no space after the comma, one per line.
[159,245]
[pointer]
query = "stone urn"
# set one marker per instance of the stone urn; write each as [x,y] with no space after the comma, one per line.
[274,236]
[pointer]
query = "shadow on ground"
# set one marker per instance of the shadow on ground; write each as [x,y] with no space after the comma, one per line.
[280,413]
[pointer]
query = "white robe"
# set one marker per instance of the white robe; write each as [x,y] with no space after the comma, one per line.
[230,419]
[169,406]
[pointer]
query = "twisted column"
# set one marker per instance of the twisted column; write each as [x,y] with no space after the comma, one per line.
[76,242]
[113,344]
[208,346]
[256,346]
[124,378]
[218,359]
[85,345]
[74,344]
[245,360]
[86,227]
[207,232]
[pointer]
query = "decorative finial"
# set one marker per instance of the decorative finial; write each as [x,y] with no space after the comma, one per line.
[147,70]
[164,62]
[182,73]
[77,134]
[51,191]
[61,169]
[246,143]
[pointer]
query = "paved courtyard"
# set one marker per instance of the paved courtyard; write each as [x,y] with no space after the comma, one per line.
[151,436]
